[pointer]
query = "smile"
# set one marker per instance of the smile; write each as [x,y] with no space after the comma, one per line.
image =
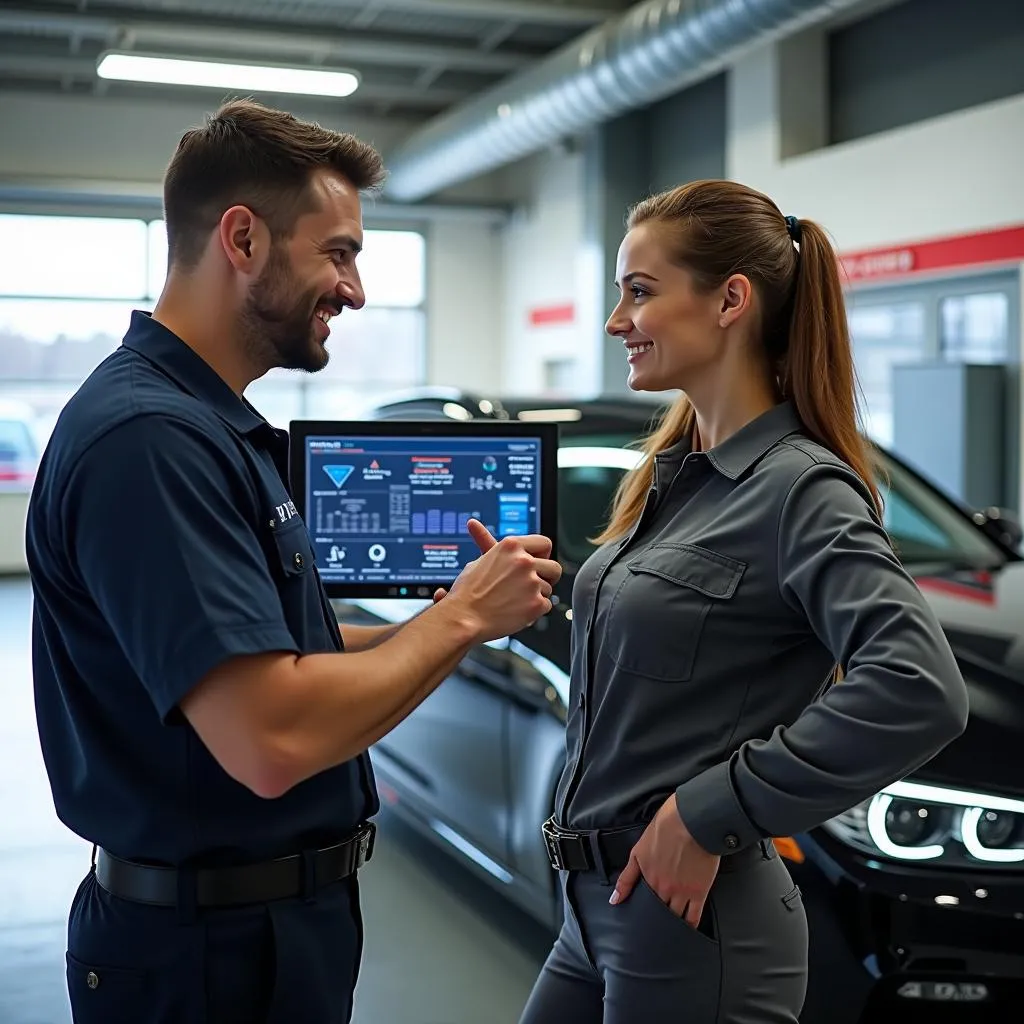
[636,348]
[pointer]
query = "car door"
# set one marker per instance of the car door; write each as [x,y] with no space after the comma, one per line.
[446,759]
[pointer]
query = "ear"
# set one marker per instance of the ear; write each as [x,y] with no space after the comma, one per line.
[244,238]
[736,298]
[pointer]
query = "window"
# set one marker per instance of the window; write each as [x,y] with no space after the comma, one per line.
[73,257]
[68,286]
[975,328]
[18,452]
[884,336]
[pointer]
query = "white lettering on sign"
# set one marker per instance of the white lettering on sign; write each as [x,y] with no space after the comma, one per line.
[879,264]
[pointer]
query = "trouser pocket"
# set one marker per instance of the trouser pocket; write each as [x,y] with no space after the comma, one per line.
[793,900]
[106,995]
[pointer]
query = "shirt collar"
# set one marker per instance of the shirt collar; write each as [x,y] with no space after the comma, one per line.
[736,454]
[190,371]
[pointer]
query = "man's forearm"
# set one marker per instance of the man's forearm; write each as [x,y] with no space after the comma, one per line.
[418,697]
[336,706]
[364,638]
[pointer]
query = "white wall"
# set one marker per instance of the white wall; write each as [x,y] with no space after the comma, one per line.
[110,139]
[465,303]
[949,175]
[549,262]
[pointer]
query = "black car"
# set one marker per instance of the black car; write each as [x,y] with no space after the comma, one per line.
[915,898]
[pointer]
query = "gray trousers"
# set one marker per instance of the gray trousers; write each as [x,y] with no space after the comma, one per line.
[639,963]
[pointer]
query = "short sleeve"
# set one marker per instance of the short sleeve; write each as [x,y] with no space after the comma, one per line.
[160,526]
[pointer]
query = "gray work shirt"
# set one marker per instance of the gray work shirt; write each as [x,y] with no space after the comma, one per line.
[701,641]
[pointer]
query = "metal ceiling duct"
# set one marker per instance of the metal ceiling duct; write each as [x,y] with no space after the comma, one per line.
[655,49]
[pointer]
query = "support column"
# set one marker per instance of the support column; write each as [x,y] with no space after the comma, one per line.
[617,174]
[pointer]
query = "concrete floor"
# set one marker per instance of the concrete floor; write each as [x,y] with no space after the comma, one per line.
[441,948]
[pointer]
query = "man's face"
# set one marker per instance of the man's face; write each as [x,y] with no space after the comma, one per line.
[308,279]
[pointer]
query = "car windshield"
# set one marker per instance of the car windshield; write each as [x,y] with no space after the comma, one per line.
[925,528]
[589,470]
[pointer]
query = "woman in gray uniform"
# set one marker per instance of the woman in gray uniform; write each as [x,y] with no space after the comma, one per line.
[745,569]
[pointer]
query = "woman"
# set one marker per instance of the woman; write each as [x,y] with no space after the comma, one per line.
[744,564]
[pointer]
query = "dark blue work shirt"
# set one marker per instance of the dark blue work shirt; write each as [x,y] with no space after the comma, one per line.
[162,540]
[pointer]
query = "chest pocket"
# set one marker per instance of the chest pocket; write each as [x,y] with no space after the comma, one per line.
[292,564]
[658,614]
[291,553]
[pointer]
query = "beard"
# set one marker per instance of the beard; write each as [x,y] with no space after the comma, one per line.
[277,326]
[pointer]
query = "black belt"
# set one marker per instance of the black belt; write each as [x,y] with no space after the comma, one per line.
[607,849]
[285,878]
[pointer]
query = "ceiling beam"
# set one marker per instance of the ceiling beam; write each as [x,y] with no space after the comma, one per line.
[531,11]
[560,12]
[280,46]
[16,192]
[60,69]
[494,37]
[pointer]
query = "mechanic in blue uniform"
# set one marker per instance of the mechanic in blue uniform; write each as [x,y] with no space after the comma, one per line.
[200,722]
[745,560]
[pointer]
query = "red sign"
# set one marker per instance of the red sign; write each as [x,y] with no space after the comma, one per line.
[543,316]
[1005,245]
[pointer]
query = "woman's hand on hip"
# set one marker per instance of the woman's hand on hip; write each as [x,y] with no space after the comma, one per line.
[672,863]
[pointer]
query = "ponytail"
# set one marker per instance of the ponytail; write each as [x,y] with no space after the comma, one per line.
[817,371]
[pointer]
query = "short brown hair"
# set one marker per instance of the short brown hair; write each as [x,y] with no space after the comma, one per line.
[259,157]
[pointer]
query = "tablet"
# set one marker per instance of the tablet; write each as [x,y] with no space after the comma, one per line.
[386,503]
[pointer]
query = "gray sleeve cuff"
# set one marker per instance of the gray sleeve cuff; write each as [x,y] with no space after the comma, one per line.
[711,811]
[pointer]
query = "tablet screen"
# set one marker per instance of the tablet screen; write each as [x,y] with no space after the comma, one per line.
[387,504]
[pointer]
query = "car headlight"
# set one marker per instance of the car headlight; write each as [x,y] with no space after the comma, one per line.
[915,821]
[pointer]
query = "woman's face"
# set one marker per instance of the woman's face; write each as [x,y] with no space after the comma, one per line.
[671,331]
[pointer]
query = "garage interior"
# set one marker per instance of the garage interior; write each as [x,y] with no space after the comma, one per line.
[517,133]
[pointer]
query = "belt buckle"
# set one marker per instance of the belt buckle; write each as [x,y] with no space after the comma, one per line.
[551,842]
[366,843]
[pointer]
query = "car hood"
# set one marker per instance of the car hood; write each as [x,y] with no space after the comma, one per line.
[982,613]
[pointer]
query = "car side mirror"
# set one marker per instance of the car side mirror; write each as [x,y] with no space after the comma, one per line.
[1001,524]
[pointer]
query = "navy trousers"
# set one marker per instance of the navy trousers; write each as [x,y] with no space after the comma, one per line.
[639,962]
[289,962]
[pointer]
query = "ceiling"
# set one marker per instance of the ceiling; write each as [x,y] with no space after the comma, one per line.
[415,58]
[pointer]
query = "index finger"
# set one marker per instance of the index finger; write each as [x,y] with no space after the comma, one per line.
[484,540]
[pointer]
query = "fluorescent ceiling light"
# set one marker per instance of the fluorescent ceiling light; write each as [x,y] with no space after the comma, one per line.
[136,67]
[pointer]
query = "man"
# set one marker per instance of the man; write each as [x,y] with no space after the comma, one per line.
[202,721]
